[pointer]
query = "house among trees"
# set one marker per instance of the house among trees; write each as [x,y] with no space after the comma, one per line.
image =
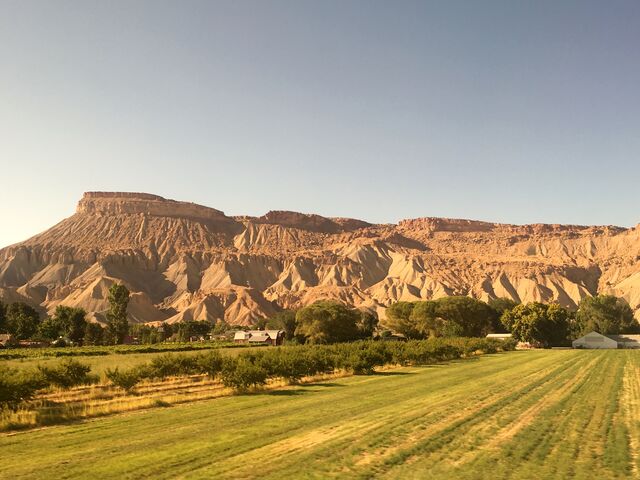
[260,337]
[597,340]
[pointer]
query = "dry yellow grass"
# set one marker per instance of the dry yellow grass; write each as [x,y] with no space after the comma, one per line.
[63,405]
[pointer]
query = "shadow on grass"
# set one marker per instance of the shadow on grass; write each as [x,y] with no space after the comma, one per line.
[456,361]
[323,384]
[392,374]
[296,390]
[285,393]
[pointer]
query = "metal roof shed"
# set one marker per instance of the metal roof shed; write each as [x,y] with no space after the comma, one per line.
[594,340]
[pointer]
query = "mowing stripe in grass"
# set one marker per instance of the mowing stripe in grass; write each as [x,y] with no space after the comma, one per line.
[630,405]
[558,404]
[424,412]
[564,441]
[448,435]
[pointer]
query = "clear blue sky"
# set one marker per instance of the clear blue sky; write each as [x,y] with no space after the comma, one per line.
[507,111]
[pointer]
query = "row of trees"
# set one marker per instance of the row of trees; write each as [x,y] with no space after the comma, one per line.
[536,323]
[249,368]
[330,322]
[182,332]
[24,322]
[292,363]
[550,325]
[447,317]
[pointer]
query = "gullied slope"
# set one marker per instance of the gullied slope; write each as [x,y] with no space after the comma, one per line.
[185,261]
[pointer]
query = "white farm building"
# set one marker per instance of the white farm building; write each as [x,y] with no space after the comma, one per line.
[597,340]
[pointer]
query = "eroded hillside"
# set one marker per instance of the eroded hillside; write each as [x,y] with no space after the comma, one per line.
[186,261]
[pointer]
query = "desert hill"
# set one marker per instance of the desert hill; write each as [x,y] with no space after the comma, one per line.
[186,261]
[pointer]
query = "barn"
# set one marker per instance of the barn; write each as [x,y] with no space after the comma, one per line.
[260,337]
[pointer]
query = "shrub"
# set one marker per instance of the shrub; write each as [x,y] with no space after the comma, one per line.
[363,362]
[18,386]
[172,365]
[210,363]
[67,374]
[242,373]
[508,345]
[126,379]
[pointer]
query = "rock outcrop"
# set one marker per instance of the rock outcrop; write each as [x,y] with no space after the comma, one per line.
[186,261]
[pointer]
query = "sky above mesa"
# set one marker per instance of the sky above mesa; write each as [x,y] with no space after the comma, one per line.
[518,112]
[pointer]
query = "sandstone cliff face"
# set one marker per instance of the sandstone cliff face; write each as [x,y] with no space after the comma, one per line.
[185,261]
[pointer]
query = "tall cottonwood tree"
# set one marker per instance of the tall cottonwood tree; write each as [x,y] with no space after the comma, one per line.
[117,323]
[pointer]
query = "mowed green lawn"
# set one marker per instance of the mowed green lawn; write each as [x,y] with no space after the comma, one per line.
[518,415]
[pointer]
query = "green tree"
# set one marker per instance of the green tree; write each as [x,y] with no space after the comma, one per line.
[117,323]
[3,317]
[70,322]
[604,314]
[538,324]
[22,320]
[221,327]
[193,328]
[125,379]
[465,316]
[49,329]
[166,330]
[68,373]
[285,320]
[260,324]
[93,334]
[500,305]
[367,323]
[327,322]
[242,373]
[398,319]
[424,319]
[444,317]
[146,334]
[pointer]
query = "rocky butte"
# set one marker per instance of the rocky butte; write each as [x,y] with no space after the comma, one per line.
[185,261]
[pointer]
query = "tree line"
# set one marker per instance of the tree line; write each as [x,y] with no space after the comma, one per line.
[326,322]
[23,322]
[536,323]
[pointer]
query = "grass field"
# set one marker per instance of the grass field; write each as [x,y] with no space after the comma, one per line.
[519,415]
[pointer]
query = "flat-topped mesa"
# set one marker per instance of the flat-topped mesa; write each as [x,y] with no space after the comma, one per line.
[351,223]
[435,224]
[118,203]
[310,221]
